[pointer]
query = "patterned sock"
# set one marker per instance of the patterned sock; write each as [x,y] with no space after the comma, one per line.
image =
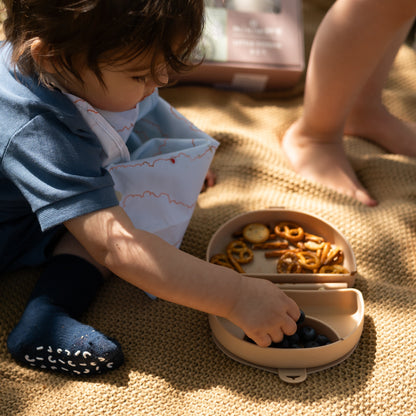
[48,335]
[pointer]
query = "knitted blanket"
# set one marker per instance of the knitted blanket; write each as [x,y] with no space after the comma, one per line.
[172,365]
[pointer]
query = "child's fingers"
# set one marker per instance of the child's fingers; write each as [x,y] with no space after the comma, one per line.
[263,338]
[293,312]
[289,326]
[263,341]
[210,180]
[276,334]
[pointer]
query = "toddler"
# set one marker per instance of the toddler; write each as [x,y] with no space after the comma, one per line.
[350,59]
[78,106]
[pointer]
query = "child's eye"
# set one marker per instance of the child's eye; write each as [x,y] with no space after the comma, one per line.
[139,78]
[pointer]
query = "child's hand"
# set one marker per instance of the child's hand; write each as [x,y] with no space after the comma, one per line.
[210,180]
[264,312]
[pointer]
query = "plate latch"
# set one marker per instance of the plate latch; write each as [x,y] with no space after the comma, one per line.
[292,375]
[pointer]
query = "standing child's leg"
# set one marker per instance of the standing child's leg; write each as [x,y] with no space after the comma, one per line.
[49,336]
[349,45]
[370,119]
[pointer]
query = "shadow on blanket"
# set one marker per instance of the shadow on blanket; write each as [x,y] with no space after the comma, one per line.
[172,365]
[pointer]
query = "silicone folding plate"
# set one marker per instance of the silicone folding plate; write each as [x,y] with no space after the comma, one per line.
[335,312]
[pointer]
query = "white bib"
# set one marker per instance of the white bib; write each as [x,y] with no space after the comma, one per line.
[159,183]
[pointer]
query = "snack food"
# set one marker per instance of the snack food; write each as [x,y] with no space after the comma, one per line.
[333,269]
[308,260]
[272,244]
[288,263]
[290,231]
[295,250]
[256,233]
[239,251]
[222,260]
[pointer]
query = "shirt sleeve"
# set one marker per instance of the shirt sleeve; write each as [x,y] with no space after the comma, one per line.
[58,171]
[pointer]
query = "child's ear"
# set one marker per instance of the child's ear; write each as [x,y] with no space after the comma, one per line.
[39,51]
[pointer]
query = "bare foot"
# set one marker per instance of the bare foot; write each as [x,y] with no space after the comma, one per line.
[378,125]
[325,162]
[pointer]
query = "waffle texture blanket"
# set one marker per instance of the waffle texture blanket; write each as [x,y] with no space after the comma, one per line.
[172,365]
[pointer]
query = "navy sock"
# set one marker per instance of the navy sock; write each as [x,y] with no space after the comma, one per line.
[49,336]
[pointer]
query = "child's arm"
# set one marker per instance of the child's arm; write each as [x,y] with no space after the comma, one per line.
[257,306]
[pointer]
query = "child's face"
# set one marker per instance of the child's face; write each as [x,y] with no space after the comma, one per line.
[125,85]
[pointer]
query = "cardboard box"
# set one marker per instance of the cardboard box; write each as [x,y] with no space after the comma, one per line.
[251,45]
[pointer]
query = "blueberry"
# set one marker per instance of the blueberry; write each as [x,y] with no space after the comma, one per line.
[301,317]
[322,339]
[307,333]
[294,339]
[311,344]
[296,346]
[284,343]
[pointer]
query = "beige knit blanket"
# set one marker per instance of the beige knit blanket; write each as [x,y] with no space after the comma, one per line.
[172,365]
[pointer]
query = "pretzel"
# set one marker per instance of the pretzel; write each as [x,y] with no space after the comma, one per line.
[308,260]
[221,259]
[334,256]
[235,263]
[237,234]
[289,231]
[333,269]
[288,263]
[271,244]
[279,253]
[312,237]
[313,245]
[256,233]
[323,253]
[239,251]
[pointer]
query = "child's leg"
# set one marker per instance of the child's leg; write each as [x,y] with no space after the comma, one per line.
[371,120]
[49,335]
[347,49]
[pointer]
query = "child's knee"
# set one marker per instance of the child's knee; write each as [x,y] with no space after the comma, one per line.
[68,244]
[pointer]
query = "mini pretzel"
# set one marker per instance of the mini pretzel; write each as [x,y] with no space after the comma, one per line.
[333,269]
[313,245]
[323,253]
[289,231]
[288,263]
[256,233]
[221,259]
[308,260]
[334,256]
[279,253]
[271,244]
[235,263]
[312,237]
[239,251]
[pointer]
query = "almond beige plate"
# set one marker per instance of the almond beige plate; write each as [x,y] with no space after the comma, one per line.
[331,305]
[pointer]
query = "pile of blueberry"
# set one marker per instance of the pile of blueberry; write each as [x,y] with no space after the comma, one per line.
[304,337]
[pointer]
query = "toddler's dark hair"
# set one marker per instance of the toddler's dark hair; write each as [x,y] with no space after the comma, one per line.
[94,28]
